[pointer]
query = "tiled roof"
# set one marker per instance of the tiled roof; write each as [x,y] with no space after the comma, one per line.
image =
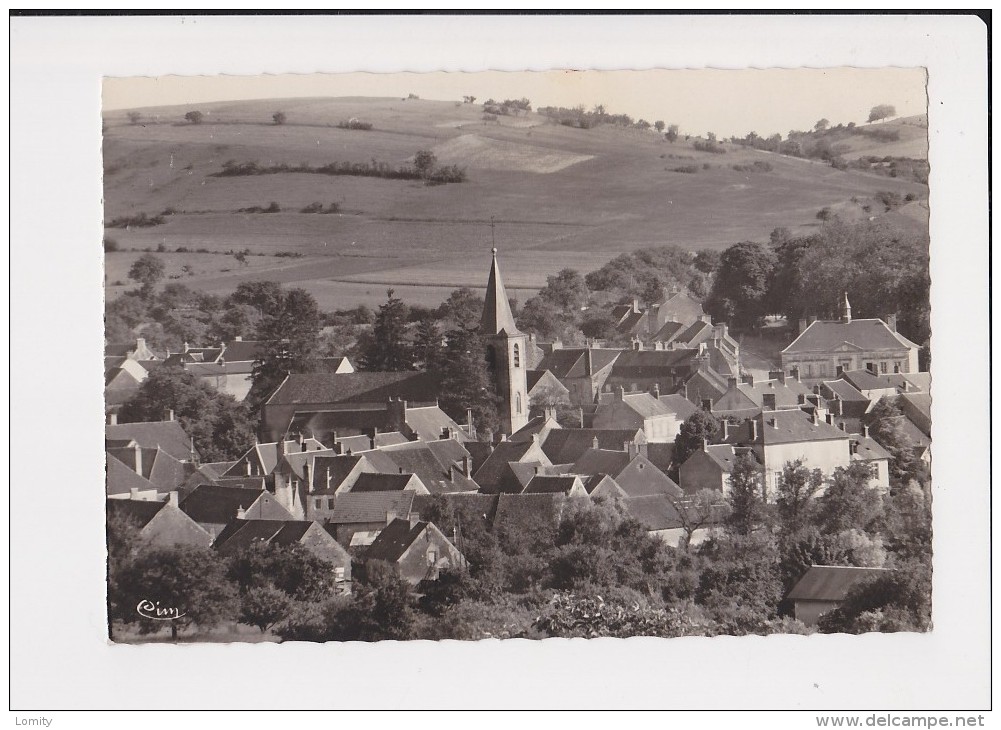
[138,511]
[216,468]
[428,423]
[213,504]
[243,350]
[652,363]
[493,469]
[679,405]
[120,479]
[697,332]
[336,468]
[208,369]
[630,321]
[921,381]
[594,481]
[865,380]
[645,405]
[238,534]
[601,461]
[168,435]
[381,482]
[866,334]
[668,332]
[844,390]
[660,455]
[356,387]
[723,454]
[361,507]
[565,446]
[654,512]
[573,362]
[394,540]
[831,582]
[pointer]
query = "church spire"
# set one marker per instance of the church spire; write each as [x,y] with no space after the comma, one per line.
[846,310]
[497,315]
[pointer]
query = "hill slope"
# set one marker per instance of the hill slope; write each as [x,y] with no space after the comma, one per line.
[558,196]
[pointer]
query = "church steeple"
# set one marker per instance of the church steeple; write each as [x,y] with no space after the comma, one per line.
[507,353]
[846,310]
[497,315]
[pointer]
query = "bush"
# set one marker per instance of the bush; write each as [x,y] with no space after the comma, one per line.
[110,244]
[825,214]
[355,124]
[686,169]
[312,208]
[137,221]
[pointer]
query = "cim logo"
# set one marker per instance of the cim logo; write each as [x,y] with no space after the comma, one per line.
[148,609]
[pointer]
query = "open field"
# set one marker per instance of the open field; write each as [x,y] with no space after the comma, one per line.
[558,196]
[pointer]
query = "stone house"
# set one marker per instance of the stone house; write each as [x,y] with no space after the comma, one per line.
[417,550]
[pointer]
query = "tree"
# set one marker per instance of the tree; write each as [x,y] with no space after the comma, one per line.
[424,162]
[195,117]
[382,608]
[896,601]
[698,510]
[565,290]
[740,291]
[388,348]
[671,135]
[462,309]
[279,118]
[886,428]
[221,428]
[849,501]
[186,583]
[698,427]
[542,318]
[293,569]
[821,125]
[707,261]
[880,112]
[134,117]
[466,380]
[796,489]
[264,606]
[745,497]
[428,349]
[147,270]
[290,333]
[264,296]
[740,586]
[659,125]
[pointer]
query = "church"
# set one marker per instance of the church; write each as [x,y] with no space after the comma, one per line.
[506,352]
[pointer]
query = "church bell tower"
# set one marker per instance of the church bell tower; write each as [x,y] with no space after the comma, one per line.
[507,353]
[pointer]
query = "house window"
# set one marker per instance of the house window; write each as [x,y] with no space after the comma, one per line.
[339,573]
[319,504]
[882,367]
[330,503]
[517,356]
[897,366]
[432,556]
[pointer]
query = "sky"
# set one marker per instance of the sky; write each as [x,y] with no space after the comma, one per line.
[726,102]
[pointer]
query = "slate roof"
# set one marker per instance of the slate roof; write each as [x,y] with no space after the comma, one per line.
[537,425]
[921,381]
[212,504]
[362,507]
[724,455]
[361,387]
[532,378]
[641,364]
[694,334]
[566,445]
[868,449]
[207,369]
[239,534]
[660,455]
[865,380]
[792,426]
[494,468]
[497,315]
[594,481]
[381,482]
[630,321]
[831,582]
[917,407]
[429,421]
[705,384]
[138,511]
[467,507]
[546,484]
[394,540]
[168,435]
[243,350]
[867,334]
[845,390]
[430,463]
[338,468]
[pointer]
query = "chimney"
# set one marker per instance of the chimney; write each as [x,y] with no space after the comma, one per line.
[632,449]
[726,430]
[140,343]
[413,518]
[775,374]
[865,432]
[248,468]
[326,477]
[168,414]
[619,392]
[811,319]
[134,493]
[802,326]
[748,380]
[768,401]
[839,370]
[794,372]
[241,513]
[594,443]
[281,447]
[112,418]
[401,470]
[891,322]
[396,410]
[549,412]
[814,417]
[625,446]
[705,444]
[172,498]
[754,429]
[801,399]
[656,390]
[838,405]
[853,447]
[636,305]
[305,477]
[238,338]
[637,343]
[467,467]
[841,425]
[829,417]
[707,405]
[303,446]
[684,391]
[731,383]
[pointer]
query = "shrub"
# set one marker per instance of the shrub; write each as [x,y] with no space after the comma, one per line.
[312,208]
[136,221]
[687,169]
[110,244]
[355,124]
[825,214]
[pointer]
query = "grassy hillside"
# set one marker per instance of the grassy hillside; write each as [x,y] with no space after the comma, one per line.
[558,196]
